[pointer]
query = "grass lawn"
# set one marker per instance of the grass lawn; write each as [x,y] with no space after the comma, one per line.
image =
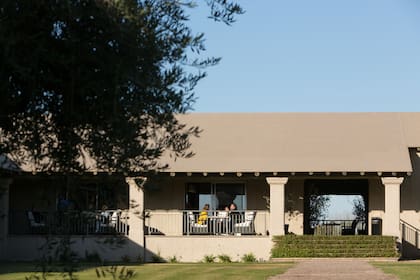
[168,271]
[403,270]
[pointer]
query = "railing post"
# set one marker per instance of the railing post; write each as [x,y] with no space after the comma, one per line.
[403,237]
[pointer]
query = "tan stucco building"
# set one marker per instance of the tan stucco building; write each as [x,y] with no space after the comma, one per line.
[268,164]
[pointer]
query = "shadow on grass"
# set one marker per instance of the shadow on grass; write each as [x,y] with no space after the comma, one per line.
[31,267]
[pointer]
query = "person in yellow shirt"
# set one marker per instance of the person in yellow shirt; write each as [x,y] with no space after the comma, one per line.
[202,218]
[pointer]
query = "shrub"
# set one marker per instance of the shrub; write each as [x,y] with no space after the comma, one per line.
[92,257]
[139,259]
[125,259]
[224,258]
[173,259]
[248,258]
[157,258]
[209,259]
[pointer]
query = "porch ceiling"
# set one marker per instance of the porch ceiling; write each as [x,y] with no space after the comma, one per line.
[300,142]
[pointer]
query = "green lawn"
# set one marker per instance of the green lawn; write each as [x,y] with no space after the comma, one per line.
[404,271]
[168,271]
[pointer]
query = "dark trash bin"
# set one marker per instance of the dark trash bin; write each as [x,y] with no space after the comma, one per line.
[376,226]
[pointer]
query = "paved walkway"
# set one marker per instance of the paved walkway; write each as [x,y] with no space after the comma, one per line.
[337,269]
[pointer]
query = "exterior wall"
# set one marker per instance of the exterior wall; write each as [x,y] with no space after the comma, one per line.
[164,193]
[42,194]
[168,193]
[42,198]
[166,222]
[256,190]
[410,193]
[194,248]
[410,208]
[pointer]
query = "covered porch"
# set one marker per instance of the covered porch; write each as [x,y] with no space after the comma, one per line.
[162,214]
[76,205]
[268,205]
[171,203]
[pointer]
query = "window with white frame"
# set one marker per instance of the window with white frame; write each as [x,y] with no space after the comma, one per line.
[217,195]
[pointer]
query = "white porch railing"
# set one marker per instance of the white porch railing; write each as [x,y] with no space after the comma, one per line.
[69,222]
[410,234]
[186,222]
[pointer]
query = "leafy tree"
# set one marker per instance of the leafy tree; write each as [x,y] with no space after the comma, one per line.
[359,208]
[99,79]
[318,205]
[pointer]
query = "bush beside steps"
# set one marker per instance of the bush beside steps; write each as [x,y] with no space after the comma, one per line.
[359,246]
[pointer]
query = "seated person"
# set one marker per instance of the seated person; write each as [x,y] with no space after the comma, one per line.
[234,215]
[233,211]
[37,216]
[222,221]
[202,218]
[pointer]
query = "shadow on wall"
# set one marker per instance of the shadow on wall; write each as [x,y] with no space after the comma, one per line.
[410,251]
[410,189]
[90,249]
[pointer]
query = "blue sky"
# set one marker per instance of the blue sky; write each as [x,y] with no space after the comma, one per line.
[315,56]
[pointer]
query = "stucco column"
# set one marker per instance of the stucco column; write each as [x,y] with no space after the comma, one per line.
[391,222]
[4,214]
[135,215]
[277,204]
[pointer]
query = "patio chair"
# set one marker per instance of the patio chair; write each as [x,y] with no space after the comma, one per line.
[247,226]
[104,222]
[222,222]
[36,224]
[115,218]
[359,227]
[194,227]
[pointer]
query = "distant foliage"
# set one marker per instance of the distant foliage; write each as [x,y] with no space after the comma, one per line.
[318,206]
[173,259]
[158,258]
[224,258]
[209,259]
[359,208]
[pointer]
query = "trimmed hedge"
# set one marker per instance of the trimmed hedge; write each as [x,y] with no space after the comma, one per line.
[289,246]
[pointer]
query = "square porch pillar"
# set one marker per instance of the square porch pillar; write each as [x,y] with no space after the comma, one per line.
[391,221]
[136,215]
[277,185]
